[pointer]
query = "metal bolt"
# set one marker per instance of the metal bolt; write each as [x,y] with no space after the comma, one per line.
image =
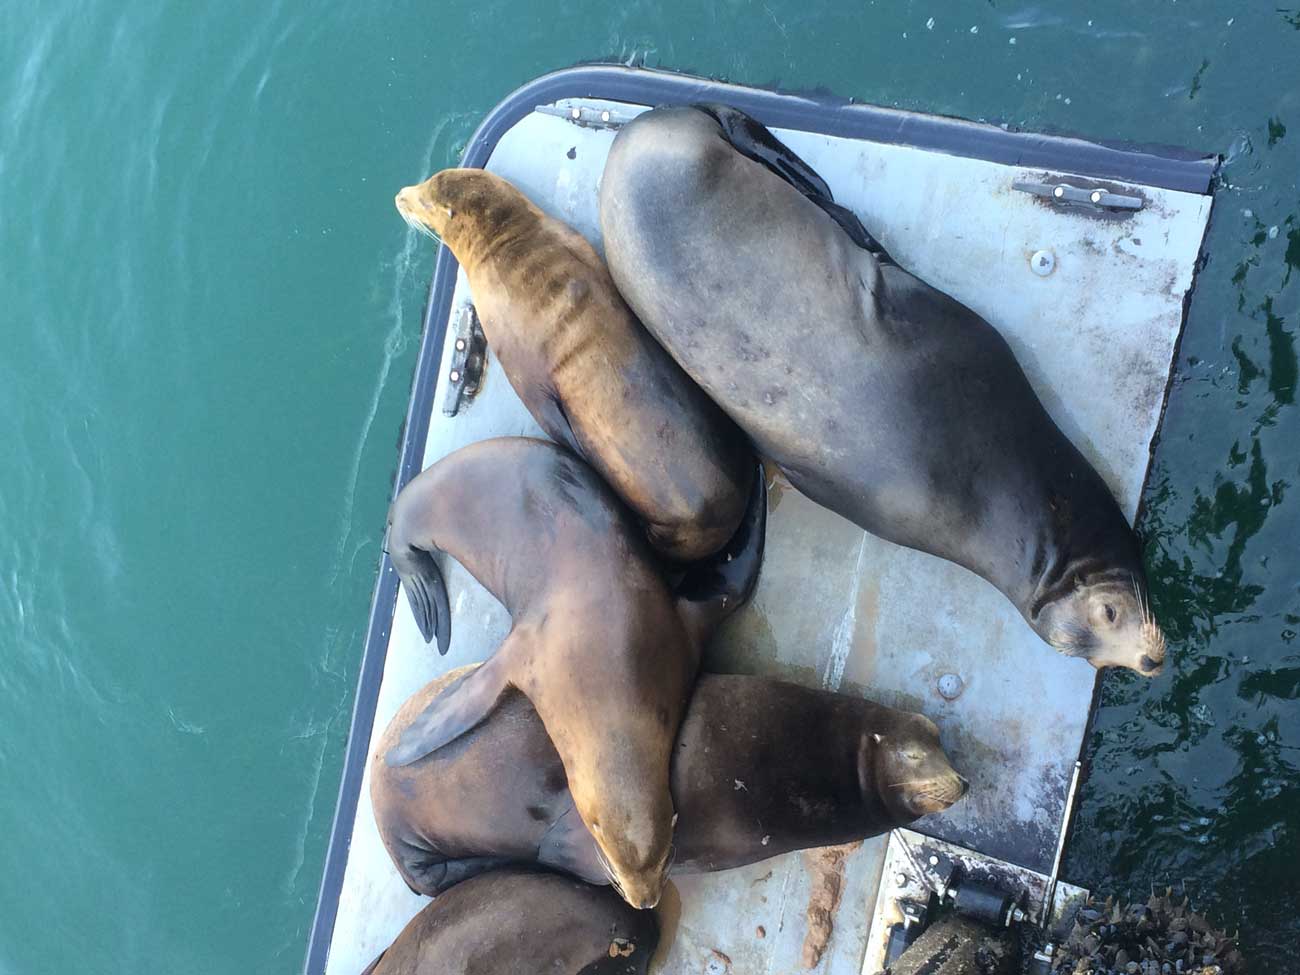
[900,880]
[951,686]
[604,116]
[1096,196]
[575,113]
[455,376]
[1042,263]
[460,345]
[1058,192]
[1018,915]
[934,861]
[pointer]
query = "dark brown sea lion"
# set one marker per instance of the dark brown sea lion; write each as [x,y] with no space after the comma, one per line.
[587,370]
[523,921]
[880,397]
[761,767]
[602,648]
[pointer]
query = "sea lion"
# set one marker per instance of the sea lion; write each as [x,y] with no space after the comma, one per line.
[760,767]
[516,921]
[586,369]
[600,646]
[879,396]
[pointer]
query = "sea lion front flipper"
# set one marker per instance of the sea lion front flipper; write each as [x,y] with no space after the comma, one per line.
[569,846]
[464,703]
[714,588]
[427,594]
[752,139]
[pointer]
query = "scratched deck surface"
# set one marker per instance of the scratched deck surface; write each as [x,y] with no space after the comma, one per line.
[840,609]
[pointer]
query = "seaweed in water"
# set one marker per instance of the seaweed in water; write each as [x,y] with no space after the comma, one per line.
[1164,936]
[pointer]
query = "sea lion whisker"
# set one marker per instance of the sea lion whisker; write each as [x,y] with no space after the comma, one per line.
[928,780]
[419,227]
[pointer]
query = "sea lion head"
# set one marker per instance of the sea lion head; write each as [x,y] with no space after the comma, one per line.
[459,206]
[908,768]
[633,829]
[1109,623]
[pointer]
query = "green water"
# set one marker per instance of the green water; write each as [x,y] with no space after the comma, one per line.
[208,320]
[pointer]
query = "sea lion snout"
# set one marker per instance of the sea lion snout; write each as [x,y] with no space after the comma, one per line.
[913,773]
[1110,624]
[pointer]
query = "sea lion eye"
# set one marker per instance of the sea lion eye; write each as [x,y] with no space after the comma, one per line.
[1110,613]
[913,756]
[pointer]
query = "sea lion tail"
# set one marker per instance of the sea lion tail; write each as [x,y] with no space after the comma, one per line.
[714,588]
[427,593]
[461,706]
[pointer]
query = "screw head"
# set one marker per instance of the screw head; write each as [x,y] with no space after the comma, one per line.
[1042,263]
[1096,196]
[900,880]
[1058,192]
[934,861]
[460,345]
[951,686]
[455,376]
[604,116]
[575,113]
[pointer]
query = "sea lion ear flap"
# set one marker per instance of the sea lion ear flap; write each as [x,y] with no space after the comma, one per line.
[462,705]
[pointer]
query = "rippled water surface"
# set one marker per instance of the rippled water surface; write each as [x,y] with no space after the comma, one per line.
[208,320]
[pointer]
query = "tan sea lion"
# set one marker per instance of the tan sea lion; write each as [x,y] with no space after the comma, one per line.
[602,648]
[587,370]
[523,921]
[879,396]
[760,767]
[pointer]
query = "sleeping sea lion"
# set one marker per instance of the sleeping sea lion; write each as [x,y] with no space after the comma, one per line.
[761,767]
[587,370]
[599,645]
[879,396]
[523,921]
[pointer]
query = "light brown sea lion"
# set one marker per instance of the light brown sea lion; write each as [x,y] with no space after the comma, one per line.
[523,921]
[600,646]
[761,767]
[587,370]
[879,396]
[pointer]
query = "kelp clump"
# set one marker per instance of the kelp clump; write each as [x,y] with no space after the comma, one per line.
[1164,936]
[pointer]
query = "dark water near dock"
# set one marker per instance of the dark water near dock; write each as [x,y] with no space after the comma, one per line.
[209,313]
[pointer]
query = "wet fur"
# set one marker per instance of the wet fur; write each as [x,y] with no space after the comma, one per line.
[540,531]
[879,396]
[586,369]
[518,920]
[814,769]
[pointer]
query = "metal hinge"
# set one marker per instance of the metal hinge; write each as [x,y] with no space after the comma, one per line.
[468,355]
[1090,197]
[589,118]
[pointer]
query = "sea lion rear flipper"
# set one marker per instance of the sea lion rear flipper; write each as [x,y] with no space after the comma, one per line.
[464,703]
[750,138]
[427,593]
[714,588]
[437,877]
